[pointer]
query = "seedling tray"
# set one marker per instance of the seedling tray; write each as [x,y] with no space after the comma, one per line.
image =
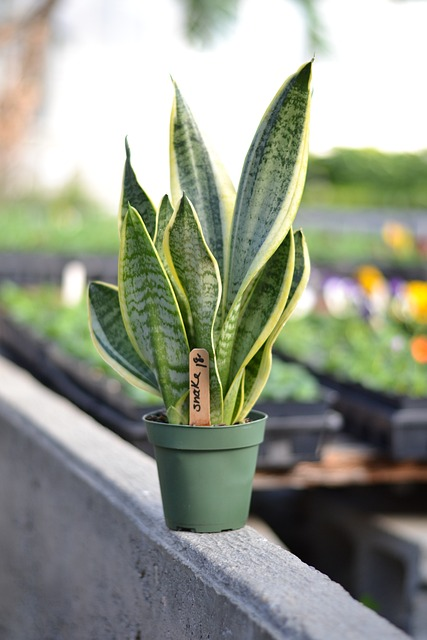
[396,425]
[97,395]
[34,268]
[296,431]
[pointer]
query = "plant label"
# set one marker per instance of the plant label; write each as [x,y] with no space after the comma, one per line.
[199,388]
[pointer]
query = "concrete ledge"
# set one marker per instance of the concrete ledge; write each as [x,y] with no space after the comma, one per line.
[85,553]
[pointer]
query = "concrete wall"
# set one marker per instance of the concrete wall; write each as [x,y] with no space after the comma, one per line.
[376,555]
[85,554]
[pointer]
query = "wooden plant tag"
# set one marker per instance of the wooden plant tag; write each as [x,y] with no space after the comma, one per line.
[200,408]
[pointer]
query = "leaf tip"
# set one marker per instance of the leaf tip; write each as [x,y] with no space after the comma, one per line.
[127,148]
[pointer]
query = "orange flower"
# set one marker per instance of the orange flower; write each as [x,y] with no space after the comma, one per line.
[416,300]
[419,349]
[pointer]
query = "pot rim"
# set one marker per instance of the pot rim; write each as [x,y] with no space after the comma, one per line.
[190,437]
[253,416]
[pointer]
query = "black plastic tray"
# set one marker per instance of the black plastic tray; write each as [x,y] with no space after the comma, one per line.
[34,268]
[395,424]
[296,432]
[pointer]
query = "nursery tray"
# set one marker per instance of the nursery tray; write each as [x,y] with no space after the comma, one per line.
[97,395]
[35,268]
[295,431]
[395,424]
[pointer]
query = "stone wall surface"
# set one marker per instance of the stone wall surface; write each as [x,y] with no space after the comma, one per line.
[85,553]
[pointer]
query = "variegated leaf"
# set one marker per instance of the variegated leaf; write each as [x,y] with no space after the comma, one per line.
[164,218]
[258,369]
[226,342]
[133,194]
[264,306]
[253,316]
[203,179]
[271,183]
[151,314]
[234,399]
[111,340]
[195,268]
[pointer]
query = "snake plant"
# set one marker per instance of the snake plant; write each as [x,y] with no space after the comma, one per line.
[209,268]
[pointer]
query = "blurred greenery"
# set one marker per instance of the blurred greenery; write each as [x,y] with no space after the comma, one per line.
[344,247]
[352,349]
[353,178]
[206,19]
[70,221]
[289,381]
[66,221]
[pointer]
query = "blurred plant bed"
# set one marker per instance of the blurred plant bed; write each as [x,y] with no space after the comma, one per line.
[42,233]
[52,342]
[367,184]
[361,178]
[67,221]
[366,338]
[394,250]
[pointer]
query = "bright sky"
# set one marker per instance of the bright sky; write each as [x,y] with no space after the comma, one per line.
[111,79]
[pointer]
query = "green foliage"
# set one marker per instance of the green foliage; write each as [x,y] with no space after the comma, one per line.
[352,247]
[367,177]
[214,269]
[354,349]
[290,382]
[205,19]
[63,222]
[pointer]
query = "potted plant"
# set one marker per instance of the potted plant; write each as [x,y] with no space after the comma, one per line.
[206,283]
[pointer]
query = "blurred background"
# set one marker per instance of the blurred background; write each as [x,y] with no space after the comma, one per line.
[77,76]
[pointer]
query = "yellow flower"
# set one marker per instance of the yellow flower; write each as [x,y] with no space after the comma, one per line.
[397,236]
[371,279]
[415,293]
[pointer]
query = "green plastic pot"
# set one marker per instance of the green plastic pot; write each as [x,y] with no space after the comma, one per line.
[206,473]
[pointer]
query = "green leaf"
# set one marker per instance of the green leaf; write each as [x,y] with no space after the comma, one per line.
[111,340]
[234,399]
[195,268]
[164,218]
[134,195]
[271,183]
[226,342]
[258,369]
[265,304]
[233,409]
[151,314]
[203,179]
[251,320]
